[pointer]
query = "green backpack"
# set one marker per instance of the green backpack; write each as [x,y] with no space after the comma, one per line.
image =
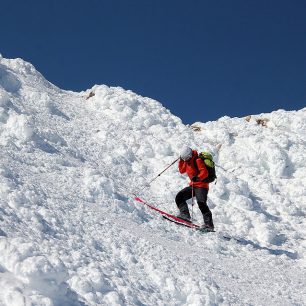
[210,166]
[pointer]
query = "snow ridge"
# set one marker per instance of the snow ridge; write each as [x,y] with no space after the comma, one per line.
[71,233]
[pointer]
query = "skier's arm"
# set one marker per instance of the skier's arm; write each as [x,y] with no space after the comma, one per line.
[203,173]
[182,166]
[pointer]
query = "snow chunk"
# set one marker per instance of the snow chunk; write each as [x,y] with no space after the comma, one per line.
[8,80]
[96,186]
[4,98]
[17,129]
[44,275]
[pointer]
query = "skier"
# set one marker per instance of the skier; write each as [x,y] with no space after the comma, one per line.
[195,168]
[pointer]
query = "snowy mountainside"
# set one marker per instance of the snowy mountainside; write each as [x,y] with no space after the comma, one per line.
[72,234]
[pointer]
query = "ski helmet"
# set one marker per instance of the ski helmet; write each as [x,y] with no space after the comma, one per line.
[186,153]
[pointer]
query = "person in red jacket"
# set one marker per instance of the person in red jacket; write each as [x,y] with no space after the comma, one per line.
[195,168]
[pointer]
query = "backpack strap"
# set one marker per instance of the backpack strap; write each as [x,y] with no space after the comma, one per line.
[196,165]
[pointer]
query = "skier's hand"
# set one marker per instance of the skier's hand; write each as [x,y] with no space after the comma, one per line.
[194,179]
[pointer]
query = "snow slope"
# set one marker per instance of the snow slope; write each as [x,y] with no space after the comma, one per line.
[71,232]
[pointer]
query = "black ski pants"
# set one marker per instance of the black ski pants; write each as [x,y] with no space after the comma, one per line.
[201,196]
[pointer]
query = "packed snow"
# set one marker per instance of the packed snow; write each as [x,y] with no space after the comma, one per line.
[71,232]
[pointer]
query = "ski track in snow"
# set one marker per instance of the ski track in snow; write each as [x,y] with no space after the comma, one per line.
[71,233]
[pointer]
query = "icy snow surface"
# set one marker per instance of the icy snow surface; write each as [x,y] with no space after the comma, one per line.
[72,234]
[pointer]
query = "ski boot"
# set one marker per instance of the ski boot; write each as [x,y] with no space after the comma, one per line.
[184,212]
[184,217]
[208,222]
[207,228]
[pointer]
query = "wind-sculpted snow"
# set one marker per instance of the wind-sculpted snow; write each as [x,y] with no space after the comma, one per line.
[71,233]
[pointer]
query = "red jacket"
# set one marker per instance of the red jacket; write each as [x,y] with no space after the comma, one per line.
[195,167]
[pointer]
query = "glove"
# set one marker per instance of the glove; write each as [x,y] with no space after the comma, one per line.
[194,179]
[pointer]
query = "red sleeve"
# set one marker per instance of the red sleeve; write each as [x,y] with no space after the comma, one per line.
[182,166]
[203,173]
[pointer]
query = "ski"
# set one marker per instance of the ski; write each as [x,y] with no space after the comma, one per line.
[188,224]
[173,218]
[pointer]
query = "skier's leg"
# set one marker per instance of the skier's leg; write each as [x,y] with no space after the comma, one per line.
[180,201]
[201,195]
